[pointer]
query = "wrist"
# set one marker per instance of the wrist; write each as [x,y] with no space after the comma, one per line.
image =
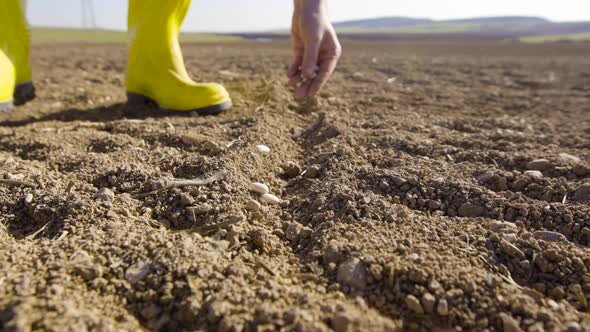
[309,6]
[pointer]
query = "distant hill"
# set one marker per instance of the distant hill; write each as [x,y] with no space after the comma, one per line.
[507,26]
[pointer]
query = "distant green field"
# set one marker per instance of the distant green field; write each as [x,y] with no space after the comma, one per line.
[111,36]
[556,38]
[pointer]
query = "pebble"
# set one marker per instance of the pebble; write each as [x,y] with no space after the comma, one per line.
[549,236]
[442,308]
[509,324]
[291,169]
[534,174]
[428,302]
[270,199]
[28,198]
[293,231]
[136,272]
[539,165]
[510,249]
[105,195]
[414,305]
[263,148]
[582,193]
[566,157]
[471,210]
[484,177]
[260,188]
[253,206]
[352,273]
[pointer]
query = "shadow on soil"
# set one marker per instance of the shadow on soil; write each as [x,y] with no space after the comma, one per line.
[109,113]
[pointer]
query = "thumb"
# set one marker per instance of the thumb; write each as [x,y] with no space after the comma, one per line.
[309,66]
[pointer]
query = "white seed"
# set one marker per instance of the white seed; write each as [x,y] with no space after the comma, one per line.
[134,149]
[263,148]
[270,199]
[260,188]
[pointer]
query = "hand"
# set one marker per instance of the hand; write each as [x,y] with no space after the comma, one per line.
[315,46]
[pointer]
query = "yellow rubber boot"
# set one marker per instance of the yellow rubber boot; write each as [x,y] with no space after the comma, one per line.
[16,43]
[7,76]
[155,71]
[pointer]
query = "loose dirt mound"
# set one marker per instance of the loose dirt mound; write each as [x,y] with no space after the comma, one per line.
[430,188]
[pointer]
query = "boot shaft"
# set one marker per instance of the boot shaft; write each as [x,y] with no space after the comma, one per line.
[14,37]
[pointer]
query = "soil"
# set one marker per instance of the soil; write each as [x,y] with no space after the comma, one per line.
[407,197]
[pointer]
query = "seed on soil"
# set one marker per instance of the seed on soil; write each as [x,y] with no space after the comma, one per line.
[270,199]
[260,188]
[539,165]
[105,195]
[263,148]
[352,273]
[134,149]
[534,174]
[414,305]
[253,206]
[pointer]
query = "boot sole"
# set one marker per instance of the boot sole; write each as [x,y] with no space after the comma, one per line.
[137,99]
[24,93]
[6,106]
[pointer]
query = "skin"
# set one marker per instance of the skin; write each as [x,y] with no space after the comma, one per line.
[315,45]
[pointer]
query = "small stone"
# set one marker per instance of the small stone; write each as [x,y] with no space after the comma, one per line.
[549,236]
[253,206]
[297,132]
[510,237]
[582,193]
[510,249]
[502,227]
[291,169]
[332,253]
[484,177]
[534,174]
[471,210]
[428,302]
[573,327]
[105,195]
[270,199]
[352,273]
[313,171]
[539,165]
[442,308]
[510,324]
[136,272]
[28,198]
[263,149]
[566,157]
[293,231]
[520,183]
[260,188]
[413,304]
[306,232]
[200,209]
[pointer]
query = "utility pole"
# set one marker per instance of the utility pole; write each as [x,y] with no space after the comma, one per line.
[88,16]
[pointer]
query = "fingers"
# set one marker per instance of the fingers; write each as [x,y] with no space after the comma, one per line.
[294,73]
[310,59]
[327,67]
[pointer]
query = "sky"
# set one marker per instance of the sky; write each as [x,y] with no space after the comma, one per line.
[262,15]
